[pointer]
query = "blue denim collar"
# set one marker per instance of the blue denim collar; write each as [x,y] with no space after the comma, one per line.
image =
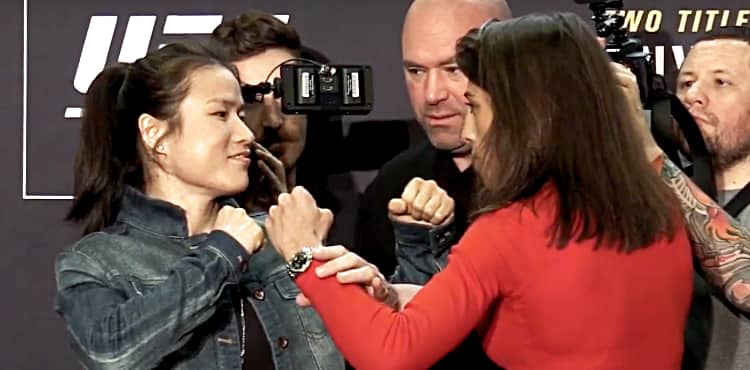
[156,215]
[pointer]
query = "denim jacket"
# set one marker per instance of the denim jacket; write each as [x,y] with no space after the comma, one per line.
[142,294]
[421,251]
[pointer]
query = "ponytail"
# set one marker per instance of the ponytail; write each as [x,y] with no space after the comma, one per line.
[107,153]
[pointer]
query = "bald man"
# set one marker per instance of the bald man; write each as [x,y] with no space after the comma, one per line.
[436,89]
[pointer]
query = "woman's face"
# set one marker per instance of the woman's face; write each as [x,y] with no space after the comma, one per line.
[478,121]
[210,152]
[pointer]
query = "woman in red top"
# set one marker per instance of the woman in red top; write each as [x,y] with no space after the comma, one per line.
[577,259]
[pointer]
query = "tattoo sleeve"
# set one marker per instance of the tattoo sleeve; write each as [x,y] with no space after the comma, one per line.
[720,242]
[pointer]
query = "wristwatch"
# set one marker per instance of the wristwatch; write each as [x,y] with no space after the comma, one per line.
[300,262]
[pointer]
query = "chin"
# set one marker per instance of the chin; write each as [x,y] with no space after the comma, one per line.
[455,146]
[235,188]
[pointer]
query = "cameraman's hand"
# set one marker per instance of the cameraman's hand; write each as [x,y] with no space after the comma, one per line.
[628,84]
[423,202]
[240,226]
[272,168]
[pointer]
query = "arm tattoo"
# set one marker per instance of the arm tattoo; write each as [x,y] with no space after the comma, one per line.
[720,242]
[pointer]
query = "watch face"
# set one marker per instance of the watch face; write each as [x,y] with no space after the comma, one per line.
[301,260]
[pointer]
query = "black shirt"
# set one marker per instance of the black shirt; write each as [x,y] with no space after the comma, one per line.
[374,234]
[258,355]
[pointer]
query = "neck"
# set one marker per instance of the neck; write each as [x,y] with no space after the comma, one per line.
[734,177]
[463,161]
[200,209]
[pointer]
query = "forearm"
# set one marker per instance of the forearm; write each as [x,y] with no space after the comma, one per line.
[432,323]
[114,331]
[721,243]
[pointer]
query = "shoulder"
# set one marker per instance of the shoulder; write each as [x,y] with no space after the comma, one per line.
[87,254]
[95,250]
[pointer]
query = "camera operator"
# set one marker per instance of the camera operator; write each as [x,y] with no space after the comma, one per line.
[257,43]
[714,85]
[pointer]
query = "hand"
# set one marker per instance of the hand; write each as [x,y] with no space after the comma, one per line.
[350,268]
[628,84]
[296,222]
[272,168]
[240,226]
[423,202]
[404,293]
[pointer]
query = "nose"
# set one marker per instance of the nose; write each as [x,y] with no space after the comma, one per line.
[436,89]
[694,96]
[469,131]
[242,133]
[272,117]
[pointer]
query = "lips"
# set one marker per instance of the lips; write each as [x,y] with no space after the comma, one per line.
[700,118]
[243,156]
[440,118]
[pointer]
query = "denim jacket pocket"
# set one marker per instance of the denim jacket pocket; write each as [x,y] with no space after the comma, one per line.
[311,322]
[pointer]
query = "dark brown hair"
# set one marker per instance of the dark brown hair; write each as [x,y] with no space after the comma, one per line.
[739,33]
[559,118]
[111,154]
[254,32]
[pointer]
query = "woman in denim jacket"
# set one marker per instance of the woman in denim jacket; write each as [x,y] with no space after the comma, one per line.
[170,272]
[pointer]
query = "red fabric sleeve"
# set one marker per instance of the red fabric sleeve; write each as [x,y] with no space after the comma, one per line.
[372,336]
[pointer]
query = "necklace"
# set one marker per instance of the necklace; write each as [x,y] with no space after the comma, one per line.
[242,319]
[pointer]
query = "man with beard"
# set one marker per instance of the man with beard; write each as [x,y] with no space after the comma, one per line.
[714,84]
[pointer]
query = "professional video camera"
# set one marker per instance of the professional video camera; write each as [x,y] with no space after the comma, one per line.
[663,105]
[307,86]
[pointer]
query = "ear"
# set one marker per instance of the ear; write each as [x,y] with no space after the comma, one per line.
[152,131]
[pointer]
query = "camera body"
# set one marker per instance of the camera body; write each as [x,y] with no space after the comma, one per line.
[623,48]
[311,87]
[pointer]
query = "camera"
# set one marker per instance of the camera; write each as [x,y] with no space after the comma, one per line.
[621,47]
[664,106]
[307,87]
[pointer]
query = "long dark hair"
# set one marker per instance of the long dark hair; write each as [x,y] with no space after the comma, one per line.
[560,118]
[111,153]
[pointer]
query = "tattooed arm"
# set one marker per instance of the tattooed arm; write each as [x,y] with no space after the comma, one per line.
[721,243]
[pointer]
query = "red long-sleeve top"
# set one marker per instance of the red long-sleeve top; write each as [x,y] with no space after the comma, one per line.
[537,307]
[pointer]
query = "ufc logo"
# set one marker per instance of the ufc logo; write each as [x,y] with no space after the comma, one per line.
[138,33]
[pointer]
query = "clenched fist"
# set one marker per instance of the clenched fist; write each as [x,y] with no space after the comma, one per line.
[296,222]
[235,222]
[422,202]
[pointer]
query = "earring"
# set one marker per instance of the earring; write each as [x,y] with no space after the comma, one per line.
[160,148]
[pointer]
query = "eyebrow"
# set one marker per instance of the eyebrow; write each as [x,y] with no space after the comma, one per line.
[225,101]
[444,62]
[714,71]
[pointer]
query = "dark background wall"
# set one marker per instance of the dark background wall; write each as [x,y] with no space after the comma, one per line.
[41,47]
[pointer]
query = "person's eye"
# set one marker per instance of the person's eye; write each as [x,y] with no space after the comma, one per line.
[722,82]
[684,84]
[415,71]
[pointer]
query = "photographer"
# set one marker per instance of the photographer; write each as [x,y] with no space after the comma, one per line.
[258,43]
[713,84]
